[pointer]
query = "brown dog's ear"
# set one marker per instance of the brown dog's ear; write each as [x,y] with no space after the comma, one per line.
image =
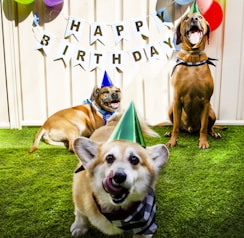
[95,92]
[208,32]
[178,34]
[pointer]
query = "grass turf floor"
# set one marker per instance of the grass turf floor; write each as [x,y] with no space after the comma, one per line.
[200,193]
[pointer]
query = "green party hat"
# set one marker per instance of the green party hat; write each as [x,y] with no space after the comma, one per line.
[194,8]
[129,128]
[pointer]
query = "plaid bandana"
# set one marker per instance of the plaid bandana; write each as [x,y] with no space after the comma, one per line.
[141,221]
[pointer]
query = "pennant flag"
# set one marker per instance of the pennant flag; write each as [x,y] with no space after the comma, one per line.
[97,32]
[74,27]
[129,128]
[65,51]
[45,42]
[140,28]
[137,55]
[81,56]
[120,31]
[158,22]
[117,60]
[163,15]
[97,60]
[107,82]
[168,46]
[154,51]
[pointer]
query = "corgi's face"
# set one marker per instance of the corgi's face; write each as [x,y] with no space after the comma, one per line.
[121,171]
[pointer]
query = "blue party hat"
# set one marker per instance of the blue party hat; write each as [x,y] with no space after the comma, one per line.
[129,128]
[107,82]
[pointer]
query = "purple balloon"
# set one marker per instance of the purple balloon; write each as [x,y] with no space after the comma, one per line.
[52,3]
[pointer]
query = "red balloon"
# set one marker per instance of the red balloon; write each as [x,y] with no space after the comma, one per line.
[214,15]
[204,5]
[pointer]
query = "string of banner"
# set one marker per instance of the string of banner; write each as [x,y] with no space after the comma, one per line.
[91,59]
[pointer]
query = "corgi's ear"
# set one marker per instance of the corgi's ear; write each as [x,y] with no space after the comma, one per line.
[159,155]
[86,150]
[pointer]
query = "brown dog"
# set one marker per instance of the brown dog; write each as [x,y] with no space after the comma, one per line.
[103,133]
[63,127]
[192,82]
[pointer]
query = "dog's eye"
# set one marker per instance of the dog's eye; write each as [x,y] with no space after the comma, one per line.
[110,159]
[105,92]
[134,160]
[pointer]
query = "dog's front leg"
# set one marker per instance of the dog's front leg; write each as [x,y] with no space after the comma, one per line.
[81,224]
[177,110]
[203,142]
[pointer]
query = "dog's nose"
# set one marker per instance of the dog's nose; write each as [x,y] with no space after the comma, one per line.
[119,176]
[194,19]
[114,96]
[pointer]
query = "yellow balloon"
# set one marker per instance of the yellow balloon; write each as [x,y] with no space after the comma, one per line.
[24,1]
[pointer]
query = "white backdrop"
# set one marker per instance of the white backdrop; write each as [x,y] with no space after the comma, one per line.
[33,86]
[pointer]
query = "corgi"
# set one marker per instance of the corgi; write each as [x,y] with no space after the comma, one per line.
[113,187]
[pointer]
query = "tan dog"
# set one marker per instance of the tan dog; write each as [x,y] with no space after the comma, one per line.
[192,82]
[63,127]
[116,187]
[103,133]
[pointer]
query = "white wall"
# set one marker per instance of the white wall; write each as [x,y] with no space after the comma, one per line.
[33,86]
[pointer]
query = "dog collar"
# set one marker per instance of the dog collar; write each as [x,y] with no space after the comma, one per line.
[192,52]
[139,219]
[182,62]
[106,115]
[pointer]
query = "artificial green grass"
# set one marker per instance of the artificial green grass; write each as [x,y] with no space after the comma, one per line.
[200,193]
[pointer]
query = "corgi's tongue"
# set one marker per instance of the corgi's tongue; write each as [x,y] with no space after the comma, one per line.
[118,193]
[110,187]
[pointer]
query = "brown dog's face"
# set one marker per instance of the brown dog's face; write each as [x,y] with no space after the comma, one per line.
[192,32]
[107,98]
